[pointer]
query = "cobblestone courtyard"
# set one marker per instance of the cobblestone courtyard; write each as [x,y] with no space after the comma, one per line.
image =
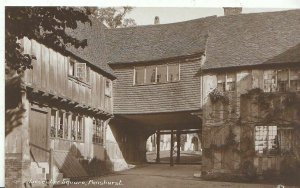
[162,176]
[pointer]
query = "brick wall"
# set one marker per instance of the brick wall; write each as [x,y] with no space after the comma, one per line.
[15,170]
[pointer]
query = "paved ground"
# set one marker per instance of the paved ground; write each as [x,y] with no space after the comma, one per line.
[160,176]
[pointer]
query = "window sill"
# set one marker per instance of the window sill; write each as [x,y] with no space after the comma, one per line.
[57,138]
[151,84]
[75,79]
[98,144]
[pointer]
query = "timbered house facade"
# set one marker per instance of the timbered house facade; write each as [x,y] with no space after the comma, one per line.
[249,127]
[68,99]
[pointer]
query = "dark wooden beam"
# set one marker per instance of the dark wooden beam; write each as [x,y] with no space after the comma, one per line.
[172,148]
[181,132]
[157,146]
[178,146]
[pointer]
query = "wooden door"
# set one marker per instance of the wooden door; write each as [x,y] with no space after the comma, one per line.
[38,135]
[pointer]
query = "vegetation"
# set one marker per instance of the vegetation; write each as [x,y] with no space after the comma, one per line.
[114,17]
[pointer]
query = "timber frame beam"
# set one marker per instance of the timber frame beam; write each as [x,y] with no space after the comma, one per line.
[50,99]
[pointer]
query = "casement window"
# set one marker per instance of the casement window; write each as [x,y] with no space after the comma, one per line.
[59,124]
[80,129]
[156,74]
[231,82]
[98,131]
[76,127]
[282,80]
[162,75]
[72,67]
[60,127]
[266,139]
[285,137]
[226,82]
[108,87]
[79,70]
[273,140]
[270,80]
[295,79]
[221,82]
[73,128]
[150,74]
[53,124]
[139,75]
[66,125]
[173,72]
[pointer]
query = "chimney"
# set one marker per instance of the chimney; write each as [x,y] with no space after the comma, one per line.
[156,20]
[232,11]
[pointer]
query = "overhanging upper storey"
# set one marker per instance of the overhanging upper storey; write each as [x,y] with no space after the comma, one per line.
[156,66]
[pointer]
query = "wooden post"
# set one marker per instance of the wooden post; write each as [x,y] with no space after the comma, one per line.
[172,149]
[157,146]
[51,162]
[178,146]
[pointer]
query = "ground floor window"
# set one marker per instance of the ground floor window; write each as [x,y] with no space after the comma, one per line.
[98,128]
[272,140]
[285,137]
[64,122]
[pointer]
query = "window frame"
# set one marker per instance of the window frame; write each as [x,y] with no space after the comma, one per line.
[73,73]
[144,68]
[279,141]
[108,90]
[269,151]
[70,123]
[225,86]
[98,131]
[288,86]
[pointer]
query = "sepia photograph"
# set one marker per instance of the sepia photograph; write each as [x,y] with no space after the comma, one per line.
[152,97]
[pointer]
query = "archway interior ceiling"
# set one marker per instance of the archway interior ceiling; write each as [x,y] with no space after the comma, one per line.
[164,121]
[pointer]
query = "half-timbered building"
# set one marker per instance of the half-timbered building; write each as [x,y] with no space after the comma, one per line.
[234,79]
[251,72]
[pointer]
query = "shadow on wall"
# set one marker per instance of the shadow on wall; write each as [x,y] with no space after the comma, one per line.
[73,165]
[14,111]
[131,140]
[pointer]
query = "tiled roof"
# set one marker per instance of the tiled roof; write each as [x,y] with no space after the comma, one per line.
[94,52]
[252,39]
[156,42]
[292,55]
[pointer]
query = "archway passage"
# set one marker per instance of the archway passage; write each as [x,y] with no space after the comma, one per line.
[138,128]
[183,148]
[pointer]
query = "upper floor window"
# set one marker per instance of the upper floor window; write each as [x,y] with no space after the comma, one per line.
[173,72]
[162,75]
[139,75]
[221,82]
[108,87]
[295,79]
[156,74]
[150,74]
[226,82]
[282,80]
[79,70]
